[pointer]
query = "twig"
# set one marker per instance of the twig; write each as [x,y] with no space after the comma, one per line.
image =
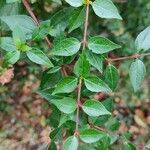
[78,107]
[86,26]
[127,57]
[28,8]
[80,79]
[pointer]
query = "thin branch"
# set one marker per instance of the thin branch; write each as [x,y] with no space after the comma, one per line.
[80,79]
[28,8]
[78,107]
[127,57]
[86,26]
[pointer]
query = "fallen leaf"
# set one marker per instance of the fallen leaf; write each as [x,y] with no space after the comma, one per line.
[7,76]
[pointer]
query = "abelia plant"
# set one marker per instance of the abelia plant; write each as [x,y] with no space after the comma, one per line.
[76,69]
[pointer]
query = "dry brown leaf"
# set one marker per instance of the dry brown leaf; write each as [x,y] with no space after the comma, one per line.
[7,76]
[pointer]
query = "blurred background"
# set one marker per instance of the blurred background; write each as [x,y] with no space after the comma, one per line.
[24,115]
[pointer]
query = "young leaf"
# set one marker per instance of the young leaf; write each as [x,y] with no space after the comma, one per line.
[112,124]
[91,135]
[148,144]
[111,76]
[75,3]
[66,85]
[18,36]
[95,84]
[71,143]
[129,146]
[82,66]
[142,40]
[24,22]
[105,9]
[94,108]
[95,60]
[38,57]
[100,45]
[12,1]
[76,19]
[66,104]
[7,44]
[66,47]
[11,57]
[137,73]
[52,146]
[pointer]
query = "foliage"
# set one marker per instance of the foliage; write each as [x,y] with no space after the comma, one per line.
[71,94]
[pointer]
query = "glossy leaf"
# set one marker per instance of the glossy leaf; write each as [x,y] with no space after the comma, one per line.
[66,47]
[91,135]
[18,36]
[94,108]
[101,45]
[95,60]
[137,73]
[38,57]
[142,40]
[129,146]
[95,84]
[7,44]
[111,76]
[66,85]
[148,144]
[24,22]
[75,3]
[82,66]
[66,104]
[11,57]
[71,143]
[12,1]
[112,124]
[105,9]
[76,19]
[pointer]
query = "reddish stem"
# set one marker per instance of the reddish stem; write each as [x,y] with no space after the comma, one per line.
[127,57]
[28,8]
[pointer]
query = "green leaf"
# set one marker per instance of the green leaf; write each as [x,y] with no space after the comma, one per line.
[38,57]
[49,80]
[66,104]
[66,85]
[24,22]
[7,44]
[66,47]
[82,66]
[137,73]
[148,144]
[12,1]
[94,108]
[95,84]
[104,143]
[129,146]
[75,3]
[95,60]
[91,135]
[105,9]
[18,36]
[142,40]
[111,76]
[52,146]
[59,21]
[71,143]
[108,103]
[56,134]
[112,124]
[76,19]
[101,45]
[11,57]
